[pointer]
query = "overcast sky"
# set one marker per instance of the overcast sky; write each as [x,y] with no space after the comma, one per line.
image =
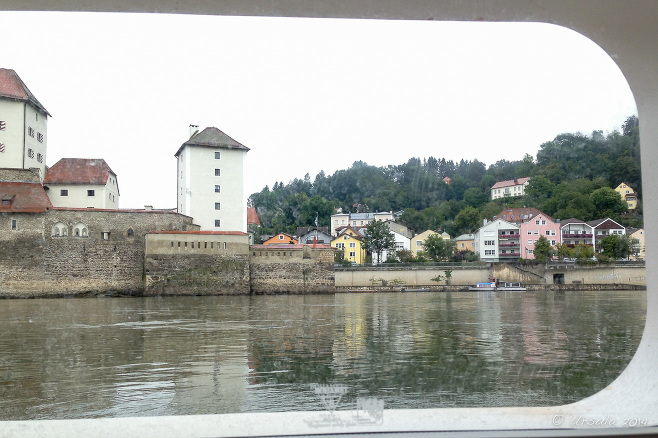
[304,94]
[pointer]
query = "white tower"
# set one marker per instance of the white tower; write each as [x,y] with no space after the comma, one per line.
[23,126]
[210,179]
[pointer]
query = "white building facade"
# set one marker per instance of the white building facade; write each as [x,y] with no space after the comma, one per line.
[82,183]
[210,188]
[23,126]
[498,241]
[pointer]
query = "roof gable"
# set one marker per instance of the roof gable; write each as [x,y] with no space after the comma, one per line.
[12,87]
[79,171]
[23,197]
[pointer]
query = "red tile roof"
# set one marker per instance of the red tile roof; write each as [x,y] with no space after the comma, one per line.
[211,233]
[12,87]
[252,216]
[79,171]
[521,214]
[23,197]
[511,182]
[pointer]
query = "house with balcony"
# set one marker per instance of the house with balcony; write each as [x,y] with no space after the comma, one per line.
[314,235]
[628,195]
[576,232]
[498,241]
[604,227]
[513,187]
[533,224]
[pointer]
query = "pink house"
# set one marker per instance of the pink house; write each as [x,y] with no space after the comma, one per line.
[533,223]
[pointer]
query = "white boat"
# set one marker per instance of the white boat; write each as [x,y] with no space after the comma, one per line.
[488,286]
[497,286]
[507,286]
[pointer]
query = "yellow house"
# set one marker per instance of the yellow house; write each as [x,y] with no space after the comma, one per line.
[627,194]
[635,233]
[350,242]
[417,241]
[465,242]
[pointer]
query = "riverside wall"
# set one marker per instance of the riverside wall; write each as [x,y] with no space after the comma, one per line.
[293,269]
[558,276]
[197,263]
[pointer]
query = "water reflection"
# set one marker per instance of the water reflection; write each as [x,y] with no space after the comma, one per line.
[71,358]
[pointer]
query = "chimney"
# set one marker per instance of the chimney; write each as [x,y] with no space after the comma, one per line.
[148,207]
[516,180]
[193,130]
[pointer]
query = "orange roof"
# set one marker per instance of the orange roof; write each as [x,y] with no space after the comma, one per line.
[252,216]
[23,197]
[276,241]
[12,87]
[79,171]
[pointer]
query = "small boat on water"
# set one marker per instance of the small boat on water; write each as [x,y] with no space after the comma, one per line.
[496,285]
[415,289]
[488,286]
[507,286]
[362,290]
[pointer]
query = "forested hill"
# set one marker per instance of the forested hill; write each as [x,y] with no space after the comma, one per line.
[571,176]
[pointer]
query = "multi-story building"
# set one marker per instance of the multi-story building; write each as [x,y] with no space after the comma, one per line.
[354,220]
[576,232]
[82,183]
[513,187]
[350,242]
[604,227]
[498,241]
[23,126]
[628,195]
[210,179]
[416,244]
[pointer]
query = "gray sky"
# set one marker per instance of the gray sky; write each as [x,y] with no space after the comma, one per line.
[305,94]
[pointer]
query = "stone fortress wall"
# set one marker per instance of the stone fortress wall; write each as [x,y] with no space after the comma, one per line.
[86,252]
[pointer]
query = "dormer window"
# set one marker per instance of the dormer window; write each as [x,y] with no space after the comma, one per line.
[8,199]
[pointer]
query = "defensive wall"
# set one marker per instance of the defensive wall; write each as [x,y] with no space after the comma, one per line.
[296,269]
[197,263]
[66,252]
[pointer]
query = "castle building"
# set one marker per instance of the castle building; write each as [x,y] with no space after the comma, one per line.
[82,183]
[210,179]
[23,126]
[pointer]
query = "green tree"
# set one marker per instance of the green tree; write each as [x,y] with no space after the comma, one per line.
[378,238]
[468,219]
[583,252]
[607,202]
[543,249]
[438,249]
[616,246]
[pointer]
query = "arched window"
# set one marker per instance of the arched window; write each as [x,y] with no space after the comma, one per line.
[59,230]
[80,230]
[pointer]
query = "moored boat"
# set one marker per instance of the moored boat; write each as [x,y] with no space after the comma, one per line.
[488,286]
[496,285]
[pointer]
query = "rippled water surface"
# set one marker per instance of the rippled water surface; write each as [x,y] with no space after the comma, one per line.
[82,358]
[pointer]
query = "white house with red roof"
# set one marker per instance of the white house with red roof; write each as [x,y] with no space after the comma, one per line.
[82,183]
[512,187]
[23,125]
[210,178]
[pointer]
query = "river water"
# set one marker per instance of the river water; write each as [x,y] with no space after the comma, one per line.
[115,357]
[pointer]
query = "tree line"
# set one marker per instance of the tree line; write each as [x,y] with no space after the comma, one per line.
[572,175]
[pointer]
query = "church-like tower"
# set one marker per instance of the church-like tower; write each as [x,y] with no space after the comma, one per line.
[210,179]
